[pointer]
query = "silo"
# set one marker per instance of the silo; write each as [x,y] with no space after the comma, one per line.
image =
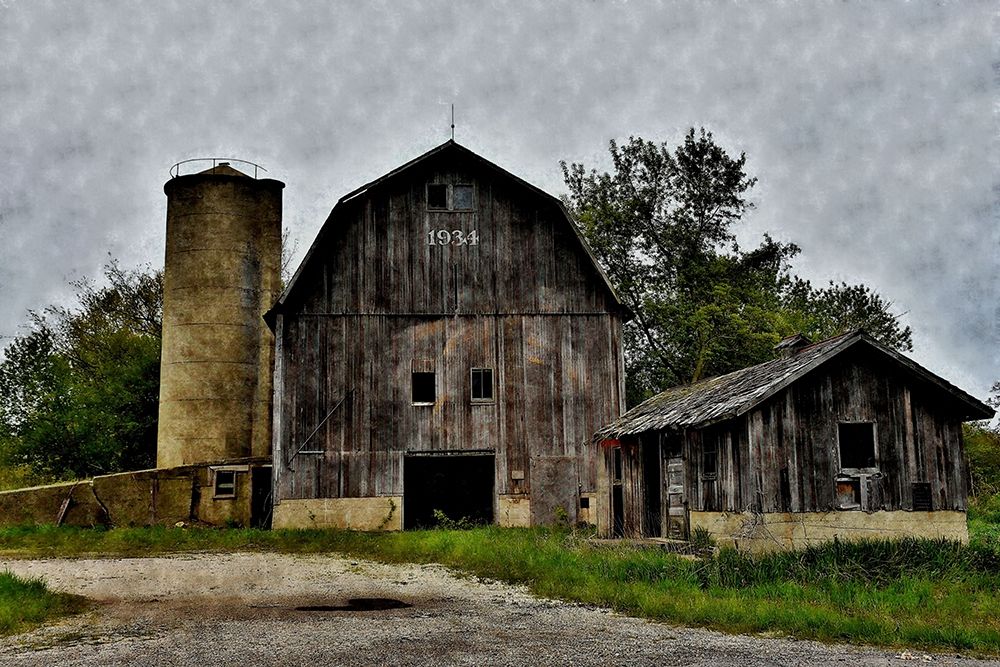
[221,273]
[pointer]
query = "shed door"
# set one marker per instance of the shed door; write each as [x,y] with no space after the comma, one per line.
[677,519]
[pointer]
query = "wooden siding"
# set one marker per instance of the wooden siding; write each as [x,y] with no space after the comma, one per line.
[376,301]
[796,431]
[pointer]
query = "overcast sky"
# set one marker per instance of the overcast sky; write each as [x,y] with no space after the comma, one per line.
[873,128]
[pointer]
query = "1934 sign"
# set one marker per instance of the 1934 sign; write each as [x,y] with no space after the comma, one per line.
[452,237]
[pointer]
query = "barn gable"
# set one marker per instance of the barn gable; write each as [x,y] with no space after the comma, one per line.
[500,256]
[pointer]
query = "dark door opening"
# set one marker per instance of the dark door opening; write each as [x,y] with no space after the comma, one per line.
[652,483]
[617,495]
[260,497]
[460,485]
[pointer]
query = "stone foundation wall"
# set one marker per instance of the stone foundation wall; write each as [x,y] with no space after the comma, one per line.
[163,496]
[771,531]
[375,513]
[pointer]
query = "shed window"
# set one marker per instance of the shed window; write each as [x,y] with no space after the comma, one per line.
[857,446]
[423,388]
[437,195]
[225,483]
[482,385]
[709,461]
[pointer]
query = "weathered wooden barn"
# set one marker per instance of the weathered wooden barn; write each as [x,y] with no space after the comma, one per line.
[448,343]
[843,438]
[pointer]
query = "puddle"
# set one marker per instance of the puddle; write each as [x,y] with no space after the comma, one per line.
[359,604]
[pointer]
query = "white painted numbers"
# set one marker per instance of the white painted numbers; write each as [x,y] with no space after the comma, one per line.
[452,237]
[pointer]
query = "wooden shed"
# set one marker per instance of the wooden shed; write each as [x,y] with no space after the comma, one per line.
[843,438]
[448,343]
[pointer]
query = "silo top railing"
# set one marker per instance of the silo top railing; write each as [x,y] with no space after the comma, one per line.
[175,170]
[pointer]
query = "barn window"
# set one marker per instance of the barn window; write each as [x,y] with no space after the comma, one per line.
[437,196]
[225,483]
[856,442]
[461,197]
[482,385]
[423,388]
[444,197]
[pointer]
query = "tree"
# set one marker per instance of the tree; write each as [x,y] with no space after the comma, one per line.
[662,225]
[79,392]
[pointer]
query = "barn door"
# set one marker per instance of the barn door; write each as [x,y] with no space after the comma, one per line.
[677,518]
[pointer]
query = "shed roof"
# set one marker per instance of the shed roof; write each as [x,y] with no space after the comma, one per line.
[727,396]
[450,145]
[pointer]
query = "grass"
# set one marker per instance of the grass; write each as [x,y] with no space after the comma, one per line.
[922,594]
[25,603]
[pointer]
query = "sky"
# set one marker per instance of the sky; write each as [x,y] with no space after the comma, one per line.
[872,127]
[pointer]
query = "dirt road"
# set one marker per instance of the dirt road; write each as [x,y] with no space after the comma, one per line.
[271,609]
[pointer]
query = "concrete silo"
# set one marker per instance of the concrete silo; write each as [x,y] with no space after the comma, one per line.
[221,273]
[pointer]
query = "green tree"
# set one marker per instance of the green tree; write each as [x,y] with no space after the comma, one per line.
[662,225]
[79,392]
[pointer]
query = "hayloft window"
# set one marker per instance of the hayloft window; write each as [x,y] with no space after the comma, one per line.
[444,197]
[856,443]
[437,196]
[225,484]
[422,388]
[461,197]
[482,385]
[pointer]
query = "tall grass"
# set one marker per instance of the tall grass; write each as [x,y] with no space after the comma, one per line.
[913,593]
[28,602]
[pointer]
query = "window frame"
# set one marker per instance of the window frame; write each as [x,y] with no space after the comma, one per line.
[216,494]
[449,197]
[493,384]
[875,453]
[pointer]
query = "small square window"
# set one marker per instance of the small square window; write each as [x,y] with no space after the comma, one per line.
[482,385]
[461,196]
[856,443]
[225,483]
[423,388]
[437,196]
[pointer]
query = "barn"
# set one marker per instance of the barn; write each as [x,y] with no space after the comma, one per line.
[448,344]
[844,438]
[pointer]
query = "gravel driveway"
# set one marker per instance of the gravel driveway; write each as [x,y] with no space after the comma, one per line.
[271,609]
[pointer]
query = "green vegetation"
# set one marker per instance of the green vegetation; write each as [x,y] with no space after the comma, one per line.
[28,602]
[662,224]
[79,391]
[913,593]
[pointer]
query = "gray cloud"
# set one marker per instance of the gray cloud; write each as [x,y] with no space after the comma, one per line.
[871,127]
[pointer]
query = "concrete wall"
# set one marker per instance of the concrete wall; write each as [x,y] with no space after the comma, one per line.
[140,498]
[784,530]
[514,511]
[378,513]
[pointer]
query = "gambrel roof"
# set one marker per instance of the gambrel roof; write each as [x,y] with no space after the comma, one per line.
[448,146]
[734,394]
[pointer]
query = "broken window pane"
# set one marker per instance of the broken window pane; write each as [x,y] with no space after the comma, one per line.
[482,384]
[461,196]
[225,483]
[857,446]
[437,195]
[423,388]
[709,461]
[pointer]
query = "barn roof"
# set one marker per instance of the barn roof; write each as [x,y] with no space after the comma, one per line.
[450,145]
[727,396]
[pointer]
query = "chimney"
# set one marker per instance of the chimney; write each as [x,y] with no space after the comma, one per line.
[789,347]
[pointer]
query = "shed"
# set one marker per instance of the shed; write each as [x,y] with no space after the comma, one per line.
[842,438]
[448,344]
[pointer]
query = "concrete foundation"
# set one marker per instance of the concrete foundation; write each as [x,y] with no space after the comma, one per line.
[163,496]
[771,531]
[514,511]
[377,513]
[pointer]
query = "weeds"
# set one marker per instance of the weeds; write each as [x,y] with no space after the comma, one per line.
[28,602]
[913,593]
